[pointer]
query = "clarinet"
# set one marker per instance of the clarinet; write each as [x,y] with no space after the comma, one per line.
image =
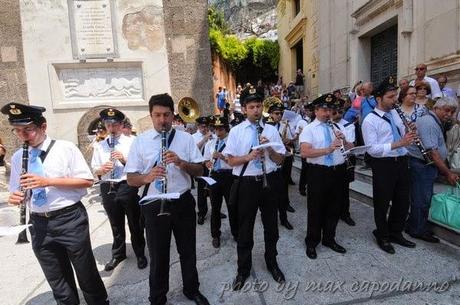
[262,159]
[342,146]
[164,180]
[213,161]
[426,153]
[111,142]
[22,237]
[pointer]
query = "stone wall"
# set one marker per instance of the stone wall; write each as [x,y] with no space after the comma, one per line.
[189,53]
[13,86]
[222,76]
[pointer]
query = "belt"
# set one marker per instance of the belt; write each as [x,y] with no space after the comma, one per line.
[222,171]
[52,214]
[333,167]
[258,178]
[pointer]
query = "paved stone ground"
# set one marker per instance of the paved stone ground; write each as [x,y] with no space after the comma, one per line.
[364,275]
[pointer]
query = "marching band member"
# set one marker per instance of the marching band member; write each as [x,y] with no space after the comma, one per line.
[275,111]
[118,198]
[350,136]
[183,160]
[255,170]
[201,137]
[384,131]
[57,180]
[301,124]
[222,173]
[320,144]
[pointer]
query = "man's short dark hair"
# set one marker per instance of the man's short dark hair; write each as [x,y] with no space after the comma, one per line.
[39,121]
[164,100]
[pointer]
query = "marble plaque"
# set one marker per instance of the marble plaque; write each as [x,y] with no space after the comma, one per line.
[77,85]
[92,29]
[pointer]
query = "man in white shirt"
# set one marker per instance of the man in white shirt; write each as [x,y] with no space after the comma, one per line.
[320,144]
[349,132]
[146,168]
[201,137]
[221,172]
[118,198]
[446,91]
[254,190]
[385,133]
[56,179]
[420,72]
[301,124]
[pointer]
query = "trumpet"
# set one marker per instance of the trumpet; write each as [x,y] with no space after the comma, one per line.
[111,142]
[22,237]
[262,159]
[426,153]
[342,146]
[163,180]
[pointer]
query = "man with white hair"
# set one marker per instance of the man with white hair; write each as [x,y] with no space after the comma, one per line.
[431,132]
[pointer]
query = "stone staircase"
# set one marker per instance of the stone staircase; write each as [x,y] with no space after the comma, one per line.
[361,190]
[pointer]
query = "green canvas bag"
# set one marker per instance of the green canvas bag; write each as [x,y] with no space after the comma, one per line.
[445,209]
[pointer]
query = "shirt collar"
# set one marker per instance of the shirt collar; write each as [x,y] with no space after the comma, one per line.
[380,112]
[45,144]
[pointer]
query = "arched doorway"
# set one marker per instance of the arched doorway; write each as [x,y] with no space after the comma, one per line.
[85,128]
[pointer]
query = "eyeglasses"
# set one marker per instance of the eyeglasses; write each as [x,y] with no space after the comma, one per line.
[29,129]
[419,69]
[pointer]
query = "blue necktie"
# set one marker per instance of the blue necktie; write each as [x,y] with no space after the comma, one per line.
[329,158]
[217,165]
[394,130]
[36,167]
[255,142]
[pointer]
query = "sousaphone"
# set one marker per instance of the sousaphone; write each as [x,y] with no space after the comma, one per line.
[267,104]
[188,109]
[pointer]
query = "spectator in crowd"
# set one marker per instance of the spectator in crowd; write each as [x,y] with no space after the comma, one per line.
[411,110]
[445,91]
[403,84]
[291,90]
[285,100]
[238,89]
[354,91]
[368,103]
[221,99]
[352,114]
[423,90]
[299,83]
[420,71]
[2,153]
[280,81]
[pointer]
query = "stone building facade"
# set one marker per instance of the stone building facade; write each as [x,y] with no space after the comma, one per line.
[76,57]
[345,41]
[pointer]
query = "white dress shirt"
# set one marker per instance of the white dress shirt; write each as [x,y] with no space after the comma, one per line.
[313,134]
[349,128]
[210,148]
[435,90]
[240,141]
[197,137]
[101,155]
[145,152]
[63,160]
[378,134]
[301,124]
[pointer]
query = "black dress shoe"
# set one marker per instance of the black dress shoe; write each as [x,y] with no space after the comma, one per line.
[335,247]
[290,209]
[349,221]
[216,242]
[400,240]
[223,216]
[311,253]
[141,262]
[238,283]
[200,220]
[277,274]
[303,193]
[199,299]
[426,237]
[113,263]
[384,243]
[286,224]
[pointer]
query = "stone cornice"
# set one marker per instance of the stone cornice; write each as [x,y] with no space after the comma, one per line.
[296,32]
[373,8]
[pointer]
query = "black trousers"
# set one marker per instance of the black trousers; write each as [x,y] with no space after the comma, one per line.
[219,191]
[350,176]
[252,197]
[287,163]
[390,182]
[181,223]
[303,176]
[324,201]
[202,194]
[124,201]
[281,188]
[63,242]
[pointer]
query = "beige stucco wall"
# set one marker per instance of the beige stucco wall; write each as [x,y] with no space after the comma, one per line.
[428,31]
